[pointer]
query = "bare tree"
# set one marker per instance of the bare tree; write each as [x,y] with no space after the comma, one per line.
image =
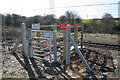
[70,17]
[107,23]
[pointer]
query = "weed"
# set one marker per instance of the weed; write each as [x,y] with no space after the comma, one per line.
[5,71]
[12,73]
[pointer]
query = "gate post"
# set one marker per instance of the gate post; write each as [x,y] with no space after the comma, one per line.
[64,44]
[54,46]
[29,44]
[24,39]
[81,42]
[68,30]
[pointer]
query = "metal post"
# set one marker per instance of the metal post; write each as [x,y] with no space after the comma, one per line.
[68,44]
[119,10]
[24,38]
[29,44]
[18,40]
[55,46]
[50,46]
[31,49]
[80,54]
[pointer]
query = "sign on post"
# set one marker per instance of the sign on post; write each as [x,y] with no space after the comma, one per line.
[36,26]
[63,25]
[46,34]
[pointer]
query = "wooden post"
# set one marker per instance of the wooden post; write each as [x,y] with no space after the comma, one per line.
[76,33]
[64,44]
[55,27]
[82,29]
[24,39]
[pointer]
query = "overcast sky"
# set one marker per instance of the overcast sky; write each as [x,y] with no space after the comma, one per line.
[41,7]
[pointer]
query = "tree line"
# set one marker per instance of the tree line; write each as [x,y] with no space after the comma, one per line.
[105,25]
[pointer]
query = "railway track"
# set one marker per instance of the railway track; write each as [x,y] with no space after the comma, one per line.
[96,44]
[86,43]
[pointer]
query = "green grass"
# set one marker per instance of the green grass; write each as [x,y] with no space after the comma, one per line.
[5,71]
[117,22]
[8,77]
[89,20]
[12,73]
[115,73]
[85,20]
[98,21]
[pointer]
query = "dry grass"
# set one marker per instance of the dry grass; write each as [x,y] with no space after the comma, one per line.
[101,38]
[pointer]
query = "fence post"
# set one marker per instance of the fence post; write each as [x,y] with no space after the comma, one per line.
[76,33]
[55,46]
[24,39]
[64,44]
[68,44]
[29,44]
[50,47]
[55,27]
[1,46]
[81,42]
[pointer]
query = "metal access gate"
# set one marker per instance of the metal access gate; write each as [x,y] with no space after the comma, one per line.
[40,45]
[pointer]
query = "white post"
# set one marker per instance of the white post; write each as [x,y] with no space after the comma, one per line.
[24,39]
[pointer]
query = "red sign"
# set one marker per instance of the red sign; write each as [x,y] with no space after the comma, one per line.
[63,25]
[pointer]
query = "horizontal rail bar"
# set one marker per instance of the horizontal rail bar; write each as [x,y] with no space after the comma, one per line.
[41,38]
[40,31]
[39,47]
[41,58]
[40,51]
[41,44]
[41,55]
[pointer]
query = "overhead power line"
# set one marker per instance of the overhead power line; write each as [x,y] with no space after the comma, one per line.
[89,5]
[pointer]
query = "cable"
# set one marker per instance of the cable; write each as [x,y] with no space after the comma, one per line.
[89,5]
[69,7]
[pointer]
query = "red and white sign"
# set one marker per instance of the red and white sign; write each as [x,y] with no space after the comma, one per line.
[63,25]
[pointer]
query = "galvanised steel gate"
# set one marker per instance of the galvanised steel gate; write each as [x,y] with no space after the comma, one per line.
[40,45]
